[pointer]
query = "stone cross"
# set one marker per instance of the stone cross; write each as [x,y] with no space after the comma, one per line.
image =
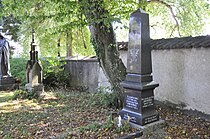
[139,85]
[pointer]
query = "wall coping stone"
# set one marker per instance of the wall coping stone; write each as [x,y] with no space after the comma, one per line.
[174,43]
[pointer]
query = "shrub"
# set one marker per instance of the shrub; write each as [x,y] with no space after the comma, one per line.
[54,74]
[18,69]
[104,99]
[21,94]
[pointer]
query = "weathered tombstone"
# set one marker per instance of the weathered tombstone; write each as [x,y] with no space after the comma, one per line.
[7,82]
[139,84]
[34,70]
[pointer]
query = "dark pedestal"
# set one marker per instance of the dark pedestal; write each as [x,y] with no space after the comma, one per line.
[139,101]
[8,83]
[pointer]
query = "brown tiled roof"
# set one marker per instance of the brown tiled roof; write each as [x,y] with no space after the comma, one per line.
[175,43]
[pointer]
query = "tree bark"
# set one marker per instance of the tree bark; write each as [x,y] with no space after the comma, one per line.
[104,42]
[69,43]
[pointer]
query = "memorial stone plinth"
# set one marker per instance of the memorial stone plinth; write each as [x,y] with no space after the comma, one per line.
[34,71]
[8,83]
[139,85]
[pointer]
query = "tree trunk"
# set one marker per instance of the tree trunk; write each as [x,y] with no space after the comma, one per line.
[69,43]
[105,45]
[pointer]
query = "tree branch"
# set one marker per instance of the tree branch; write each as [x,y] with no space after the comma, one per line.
[171,11]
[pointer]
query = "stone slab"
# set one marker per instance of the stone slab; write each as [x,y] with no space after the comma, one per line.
[147,129]
[132,135]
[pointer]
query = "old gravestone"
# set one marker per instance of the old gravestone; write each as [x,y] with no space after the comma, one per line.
[34,70]
[139,84]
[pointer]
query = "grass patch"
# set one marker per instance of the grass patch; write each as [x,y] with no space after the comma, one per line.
[5,96]
[22,94]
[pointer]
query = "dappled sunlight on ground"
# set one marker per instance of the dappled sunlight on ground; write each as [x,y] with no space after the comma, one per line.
[4,96]
[9,105]
[50,116]
[18,105]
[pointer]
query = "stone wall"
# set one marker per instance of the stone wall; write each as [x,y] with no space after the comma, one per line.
[183,76]
[84,73]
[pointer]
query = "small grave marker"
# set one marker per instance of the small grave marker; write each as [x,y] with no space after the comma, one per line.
[34,70]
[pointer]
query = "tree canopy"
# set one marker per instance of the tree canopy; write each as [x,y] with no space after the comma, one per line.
[52,19]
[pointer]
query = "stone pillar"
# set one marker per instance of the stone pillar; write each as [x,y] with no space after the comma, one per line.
[34,70]
[139,84]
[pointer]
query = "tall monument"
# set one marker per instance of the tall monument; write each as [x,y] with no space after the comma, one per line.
[34,70]
[139,85]
[7,82]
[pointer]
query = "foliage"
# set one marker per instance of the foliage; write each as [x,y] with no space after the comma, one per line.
[11,26]
[21,94]
[18,69]
[54,73]
[65,15]
[108,125]
[179,17]
[50,24]
[105,99]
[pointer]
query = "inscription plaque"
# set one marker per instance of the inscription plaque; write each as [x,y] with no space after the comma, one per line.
[151,119]
[147,102]
[131,102]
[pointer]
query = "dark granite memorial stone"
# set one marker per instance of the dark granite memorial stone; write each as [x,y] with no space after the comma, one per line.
[139,85]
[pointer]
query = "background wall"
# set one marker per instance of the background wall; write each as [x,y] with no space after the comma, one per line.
[183,76]
[84,73]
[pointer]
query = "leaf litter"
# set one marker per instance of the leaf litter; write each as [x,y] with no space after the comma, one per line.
[71,115]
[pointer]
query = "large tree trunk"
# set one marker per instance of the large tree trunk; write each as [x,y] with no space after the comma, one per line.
[105,45]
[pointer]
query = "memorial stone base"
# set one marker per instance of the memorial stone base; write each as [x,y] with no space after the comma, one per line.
[149,128]
[139,102]
[39,88]
[8,83]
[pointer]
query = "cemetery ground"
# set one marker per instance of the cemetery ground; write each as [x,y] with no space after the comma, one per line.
[72,114]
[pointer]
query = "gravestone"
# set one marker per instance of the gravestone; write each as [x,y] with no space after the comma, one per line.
[7,82]
[139,85]
[34,70]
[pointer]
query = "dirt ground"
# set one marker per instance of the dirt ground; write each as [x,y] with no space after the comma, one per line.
[181,124]
[73,115]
